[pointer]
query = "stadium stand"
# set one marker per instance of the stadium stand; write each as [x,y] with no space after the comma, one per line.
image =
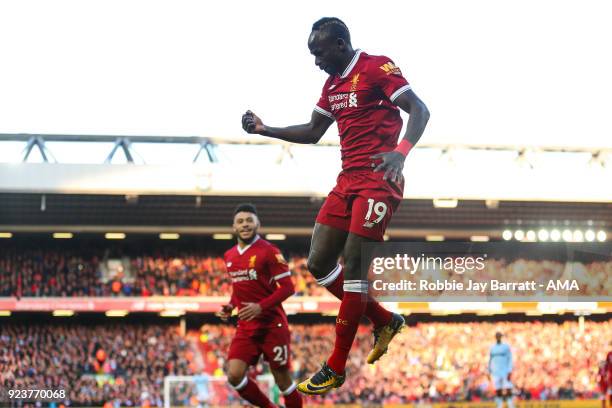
[38,273]
[95,365]
[448,361]
[125,363]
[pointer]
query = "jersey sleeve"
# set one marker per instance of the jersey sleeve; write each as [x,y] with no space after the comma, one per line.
[277,265]
[323,106]
[388,77]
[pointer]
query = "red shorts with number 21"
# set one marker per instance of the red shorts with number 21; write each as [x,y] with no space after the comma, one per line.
[274,343]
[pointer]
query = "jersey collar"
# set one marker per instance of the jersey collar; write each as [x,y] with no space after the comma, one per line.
[352,64]
[243,250]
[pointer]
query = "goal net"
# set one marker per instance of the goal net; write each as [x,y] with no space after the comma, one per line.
[207,391]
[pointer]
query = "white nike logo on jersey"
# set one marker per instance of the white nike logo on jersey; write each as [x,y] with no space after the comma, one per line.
[331,87]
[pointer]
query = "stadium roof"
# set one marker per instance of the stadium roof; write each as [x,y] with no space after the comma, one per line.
[77,164]
[289,215]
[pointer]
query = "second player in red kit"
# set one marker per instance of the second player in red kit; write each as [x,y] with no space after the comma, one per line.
[363,94]
[261,281]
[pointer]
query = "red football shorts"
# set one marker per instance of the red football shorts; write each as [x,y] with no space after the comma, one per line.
[362,203]
[274,343]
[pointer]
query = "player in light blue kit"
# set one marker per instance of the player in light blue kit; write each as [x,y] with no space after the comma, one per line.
[500,369]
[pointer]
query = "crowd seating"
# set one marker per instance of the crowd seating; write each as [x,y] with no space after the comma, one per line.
[447,361]
[126,363]
[65,273]
[120,364]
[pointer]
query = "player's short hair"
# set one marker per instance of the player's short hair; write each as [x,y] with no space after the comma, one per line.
[333,26]
[245,207]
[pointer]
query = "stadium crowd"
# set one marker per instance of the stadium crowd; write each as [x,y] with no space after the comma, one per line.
[447,361]
[104,365]
[124,365]
[66,273]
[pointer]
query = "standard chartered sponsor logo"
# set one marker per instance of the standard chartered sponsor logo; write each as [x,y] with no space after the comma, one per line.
[343,100]
[337,106]
[243,275]
[338,97]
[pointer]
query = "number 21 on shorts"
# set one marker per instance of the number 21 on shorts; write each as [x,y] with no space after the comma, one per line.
[380,210]
[280,354]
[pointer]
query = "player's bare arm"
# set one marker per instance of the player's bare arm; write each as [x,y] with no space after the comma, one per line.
[393,162]
[307,133]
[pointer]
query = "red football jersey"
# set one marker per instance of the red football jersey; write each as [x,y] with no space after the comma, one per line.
[361,101]
[254,271]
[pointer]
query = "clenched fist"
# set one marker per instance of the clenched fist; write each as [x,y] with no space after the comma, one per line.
[251,123]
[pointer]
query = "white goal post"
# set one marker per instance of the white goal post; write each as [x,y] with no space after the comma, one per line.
[207,391]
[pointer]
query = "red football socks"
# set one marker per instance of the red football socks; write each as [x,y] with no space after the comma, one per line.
[378,315]
[351,309]
[293,399]
[251,392]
